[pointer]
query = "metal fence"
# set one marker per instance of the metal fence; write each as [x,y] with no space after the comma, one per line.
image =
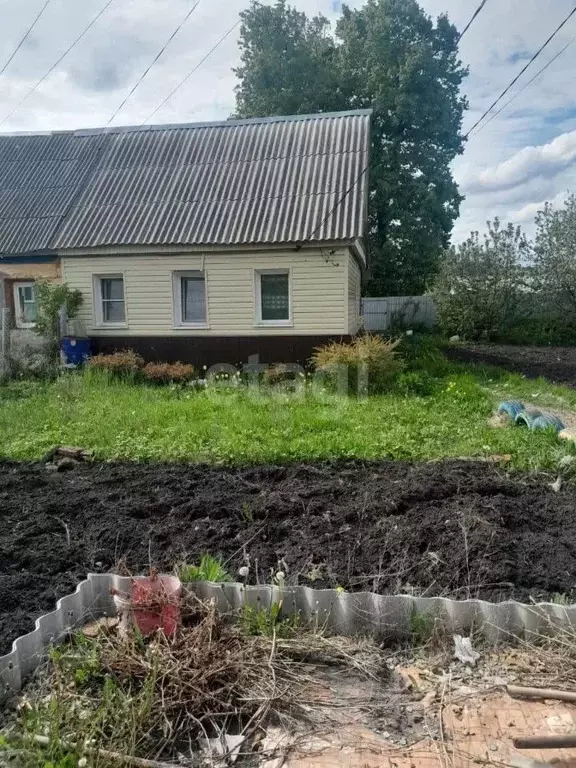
[21,349]
[404,311]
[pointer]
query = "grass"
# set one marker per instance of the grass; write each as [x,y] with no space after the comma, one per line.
[156,697]
[122,420]
[209,569]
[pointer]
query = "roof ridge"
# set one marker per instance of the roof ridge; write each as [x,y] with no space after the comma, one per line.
[180,126]
[244,165]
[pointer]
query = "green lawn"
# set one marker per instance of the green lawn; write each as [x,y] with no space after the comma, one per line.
[123,420]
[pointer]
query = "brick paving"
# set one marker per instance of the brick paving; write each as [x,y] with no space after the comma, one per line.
[478,730]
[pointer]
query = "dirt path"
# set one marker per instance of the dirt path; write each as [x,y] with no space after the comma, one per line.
[453,528]
[557,364]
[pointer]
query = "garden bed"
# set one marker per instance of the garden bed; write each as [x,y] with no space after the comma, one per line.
[557,364]
[453,528]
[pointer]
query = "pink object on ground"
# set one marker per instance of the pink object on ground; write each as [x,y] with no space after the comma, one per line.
[155,604]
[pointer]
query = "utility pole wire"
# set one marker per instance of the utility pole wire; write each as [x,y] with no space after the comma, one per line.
[189,75]
[474,15]
[26,34]
[524,68]
[540,71]
[160,52]
[336,205]
[53,67]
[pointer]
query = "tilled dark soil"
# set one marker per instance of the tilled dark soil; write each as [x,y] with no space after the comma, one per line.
[554,363]
[454,528]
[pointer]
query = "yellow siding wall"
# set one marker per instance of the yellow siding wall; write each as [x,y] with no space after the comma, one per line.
[354,290]
[319,291]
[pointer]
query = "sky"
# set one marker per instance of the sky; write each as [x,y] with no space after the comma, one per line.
[522,158]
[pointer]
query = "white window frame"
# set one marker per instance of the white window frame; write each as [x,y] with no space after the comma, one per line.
[20,323]
[97,288]
[178,320]
[258,298]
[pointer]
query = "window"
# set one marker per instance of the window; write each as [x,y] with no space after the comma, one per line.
[25,304]
[190,299]
[110,306]
[273,297]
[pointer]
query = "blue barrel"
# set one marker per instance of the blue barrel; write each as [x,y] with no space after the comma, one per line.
[527,418]
[75,351]
[511,408]
[546,421]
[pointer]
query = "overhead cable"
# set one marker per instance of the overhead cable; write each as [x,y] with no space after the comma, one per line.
[57,63]
[474,15]
[524,68]
[192,71]
[537,75]
[158,55]
[26,35]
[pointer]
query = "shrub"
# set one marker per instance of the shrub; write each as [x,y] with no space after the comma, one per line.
[555,266]
[125,363]
[484,286]
[167,373]
[416,383]
[423,353]
[50,297]
[367,364]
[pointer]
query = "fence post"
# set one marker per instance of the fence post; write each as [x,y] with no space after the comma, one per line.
[5,343]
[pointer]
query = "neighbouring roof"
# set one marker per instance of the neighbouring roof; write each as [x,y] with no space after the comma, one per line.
[269,180]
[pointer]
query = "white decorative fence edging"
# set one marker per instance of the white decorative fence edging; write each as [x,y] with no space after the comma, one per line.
[345,613]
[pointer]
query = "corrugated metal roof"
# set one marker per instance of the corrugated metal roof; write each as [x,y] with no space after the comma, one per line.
[274,180]
[40,178]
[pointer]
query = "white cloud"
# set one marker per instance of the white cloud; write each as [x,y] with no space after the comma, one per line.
[529,162]
[526,214]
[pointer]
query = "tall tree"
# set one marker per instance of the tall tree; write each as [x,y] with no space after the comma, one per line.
[288,63]
[555,262]
[482,288]
[387,55]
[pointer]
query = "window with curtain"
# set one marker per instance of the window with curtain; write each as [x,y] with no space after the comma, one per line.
[274,296]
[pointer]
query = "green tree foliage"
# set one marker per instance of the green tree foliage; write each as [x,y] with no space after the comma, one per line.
[483,287]
[288,63]
[50,297]
[388,56]
[555,258]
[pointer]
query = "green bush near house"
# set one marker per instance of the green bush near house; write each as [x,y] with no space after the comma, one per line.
[367,365]
[50,297]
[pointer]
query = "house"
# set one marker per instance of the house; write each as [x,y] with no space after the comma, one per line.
[208,242]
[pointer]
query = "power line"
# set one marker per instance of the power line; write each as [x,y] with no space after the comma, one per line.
[53,67]
[338,202]
[160,52]
[540,71]
[474,15]
[189,75]
[27,33]
[524,68]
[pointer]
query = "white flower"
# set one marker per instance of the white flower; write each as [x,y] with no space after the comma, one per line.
[244,571]
[82,762]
